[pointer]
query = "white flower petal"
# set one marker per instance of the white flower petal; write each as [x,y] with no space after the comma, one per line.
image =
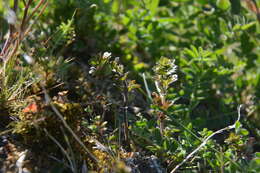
[106,55]
[28,59]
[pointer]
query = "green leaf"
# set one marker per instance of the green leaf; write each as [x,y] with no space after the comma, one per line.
[223,4]
[236,27]
[116,6]
[152,6]
[249,25]
[202,2]
[257,161]
[257,154]
[244,132]
[189,126]
[195,51]
[165,145]
[190,53]
[168,19]
[237,125]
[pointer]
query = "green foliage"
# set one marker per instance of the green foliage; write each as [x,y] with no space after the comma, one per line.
[223,4]
[212,49]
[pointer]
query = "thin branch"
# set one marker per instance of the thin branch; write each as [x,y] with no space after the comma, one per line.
[15,5]
[125,96]
[25,15]
[62,149]
[194,135]
[147,88]
[48,100]
[40,13]
[206,140]
[12,27]
[35,9]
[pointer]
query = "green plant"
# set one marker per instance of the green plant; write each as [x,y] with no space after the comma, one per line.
[110,114]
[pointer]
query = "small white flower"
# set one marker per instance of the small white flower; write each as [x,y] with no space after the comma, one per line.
[11,17]
[28,59]
[173,70]
[106,55]
[92,70]
[174,78]
[117,59]
[93,6]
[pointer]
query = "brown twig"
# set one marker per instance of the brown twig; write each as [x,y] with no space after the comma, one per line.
[13,41]
[35,10]
[25,15]
[40,13]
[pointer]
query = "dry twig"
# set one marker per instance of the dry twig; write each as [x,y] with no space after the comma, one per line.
[206,140]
